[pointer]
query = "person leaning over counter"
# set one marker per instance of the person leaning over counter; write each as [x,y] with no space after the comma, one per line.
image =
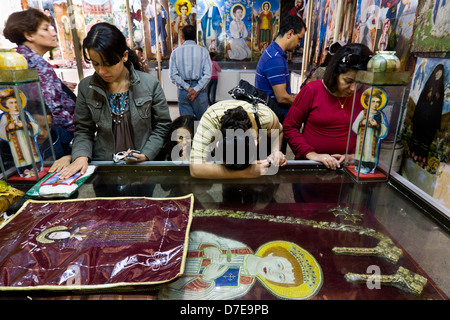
[119,108]
[32,31]
[324,107]
[211,139]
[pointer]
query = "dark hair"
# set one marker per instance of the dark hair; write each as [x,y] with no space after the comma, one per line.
[35,108]
[353,56]
[182,4]
[236,8]
[212,55]
[109,42]
[188,32]
[292,22]
[376,94]
[18,23]
[239,145]
[327,59]
[235,119]
[184,121]
[332,49]
[7,94]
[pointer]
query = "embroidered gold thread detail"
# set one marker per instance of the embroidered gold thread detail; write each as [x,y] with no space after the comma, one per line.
[403,279]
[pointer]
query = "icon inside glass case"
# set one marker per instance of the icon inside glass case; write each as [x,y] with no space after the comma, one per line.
[19,131]
[370,127]
[376,120]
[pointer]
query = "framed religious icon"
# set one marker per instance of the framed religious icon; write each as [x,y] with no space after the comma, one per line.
[266,23]
[370,127]
[211,26]
[239,32]
[183,14]
[373,136]
[19,130]
[431,31]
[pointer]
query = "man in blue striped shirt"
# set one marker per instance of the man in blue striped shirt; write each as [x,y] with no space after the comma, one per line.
[190,70]
[272,72]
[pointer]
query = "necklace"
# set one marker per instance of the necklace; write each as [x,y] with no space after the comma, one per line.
[342,104]
[333,94]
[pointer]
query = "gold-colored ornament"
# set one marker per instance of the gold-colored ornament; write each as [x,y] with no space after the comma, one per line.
[403,279]
[292,220]
[349,214]
[306,285]
[8,196]
[385,249]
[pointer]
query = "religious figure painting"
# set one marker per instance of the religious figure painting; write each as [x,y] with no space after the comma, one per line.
[395,27]
[323,23]
[158,20]
[432,27]
[62,22]
[21,134]
[384,37]
[366,22]
[239,30]
[182,13]
[211,21]
[266,15]
[221,268]
[348,21]
[315,26]
[385,25]
[136,38]
[426,127]
[331,9]
[299,8]
[95,11]
[370,127]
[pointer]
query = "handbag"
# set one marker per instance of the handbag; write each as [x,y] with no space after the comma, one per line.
[247,92]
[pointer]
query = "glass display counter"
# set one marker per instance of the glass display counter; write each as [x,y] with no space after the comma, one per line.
[304,233]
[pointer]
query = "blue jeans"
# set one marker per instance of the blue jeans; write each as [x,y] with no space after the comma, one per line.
[194,108]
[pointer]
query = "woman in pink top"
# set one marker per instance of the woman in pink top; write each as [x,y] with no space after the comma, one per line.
[324,107]
[212,86]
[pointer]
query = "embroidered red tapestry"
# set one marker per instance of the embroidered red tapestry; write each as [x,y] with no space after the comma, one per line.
[94,243]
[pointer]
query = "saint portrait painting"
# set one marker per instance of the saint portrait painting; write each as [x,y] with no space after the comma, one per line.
[20,133]
[370,126]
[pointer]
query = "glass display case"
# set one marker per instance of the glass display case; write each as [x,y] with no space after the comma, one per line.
[24,127]
[343,240]
[377,125]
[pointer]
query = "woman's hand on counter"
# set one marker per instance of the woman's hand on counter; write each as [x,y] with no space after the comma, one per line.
[60,164]
[332,161]
[80,164]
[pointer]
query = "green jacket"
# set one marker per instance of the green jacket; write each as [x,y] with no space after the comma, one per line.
[149,111]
